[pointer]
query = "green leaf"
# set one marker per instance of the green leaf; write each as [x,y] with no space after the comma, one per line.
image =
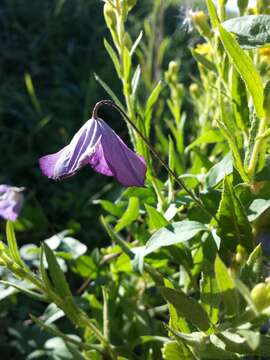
[213,13]
[176,322]
[207,347]
[210,296]
[175,351]
[115,209]
[136,43]
[31,91]
[114,58]
[257,208]
[12,245]
[226,287]
[57,275]
[71,248]
[109,91]
[117,238]
[149,106]
[135,82]
[229,130]
[240,101]
[252,137]
[156,219]
[23,289]
[252,31]
[131,214]
[233,224]
[218,172]
[208,137]
[126,63]
[251,271]
[245,292]
[204,61]
[187,307]
[246,69]
[172,234]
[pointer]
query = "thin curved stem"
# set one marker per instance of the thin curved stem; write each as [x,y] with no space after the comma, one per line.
[154,152]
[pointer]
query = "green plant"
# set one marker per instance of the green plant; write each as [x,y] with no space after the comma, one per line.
[186,275]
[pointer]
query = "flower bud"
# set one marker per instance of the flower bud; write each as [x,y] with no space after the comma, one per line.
[241,255]
[109,15]
[242,5]
[131,4]
[259,295]
[252,11]
[194,90]
[200,21]
[171,75]
[173,67]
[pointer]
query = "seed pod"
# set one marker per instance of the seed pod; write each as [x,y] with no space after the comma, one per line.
[194,90]
[259,295]
[109,15]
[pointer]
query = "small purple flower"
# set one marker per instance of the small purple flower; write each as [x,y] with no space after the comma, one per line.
[97,145]
[11,201]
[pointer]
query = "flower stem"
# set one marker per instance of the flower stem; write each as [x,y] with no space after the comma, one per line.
[154,152]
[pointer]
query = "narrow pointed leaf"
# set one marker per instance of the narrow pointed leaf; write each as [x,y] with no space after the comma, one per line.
[114,58]
[156,219]
[57,275]
[226,287]
[233,226]
[246,69]
[213,13]
[187,307]
[153,98]
[131,214]
[12,245]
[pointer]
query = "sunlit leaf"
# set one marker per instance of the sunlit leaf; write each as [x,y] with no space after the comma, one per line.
[130,215]
[187,307]
[226,287]
[252,31]
[233,224]
[246,69]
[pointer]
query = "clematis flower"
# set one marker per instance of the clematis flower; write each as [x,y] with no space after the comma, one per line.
[97,145]
[11,201]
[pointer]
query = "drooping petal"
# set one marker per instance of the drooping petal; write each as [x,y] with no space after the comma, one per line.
[11,201]
[98,161]
[128,167]
[74,156]
[47,163]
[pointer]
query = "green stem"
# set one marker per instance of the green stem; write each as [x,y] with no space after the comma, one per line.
[106,323]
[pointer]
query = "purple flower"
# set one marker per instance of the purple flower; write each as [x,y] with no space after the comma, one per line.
[97,145]
[11,201]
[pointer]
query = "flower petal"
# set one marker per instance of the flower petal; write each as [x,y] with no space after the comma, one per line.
[128,167]
[11,201]
[99,163]
[47,163]
[74,156]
